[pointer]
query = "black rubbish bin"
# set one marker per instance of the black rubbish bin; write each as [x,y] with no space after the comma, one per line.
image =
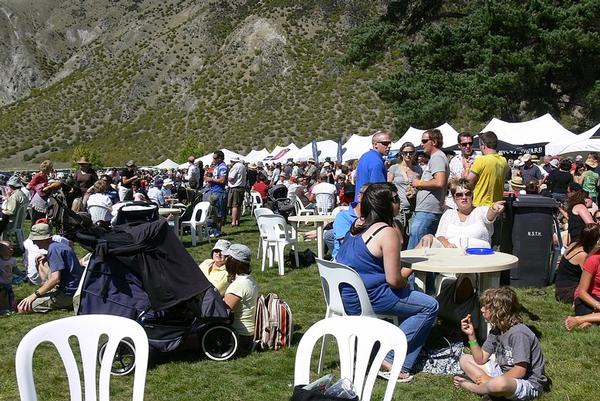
[532,229]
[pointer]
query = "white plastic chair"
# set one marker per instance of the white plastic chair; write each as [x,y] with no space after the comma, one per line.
[324,203]
[333,275]
[15,226]
[99,213]
[278,234]
[261,211]
[302,211]
[356,337]
[198,224]
[256,200]
[247,203]
[87,329]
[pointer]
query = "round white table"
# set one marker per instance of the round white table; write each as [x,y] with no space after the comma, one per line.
[171,211]
[319,221]
[451,260]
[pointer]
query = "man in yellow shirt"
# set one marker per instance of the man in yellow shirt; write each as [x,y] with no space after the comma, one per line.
[214,268]
[487,172]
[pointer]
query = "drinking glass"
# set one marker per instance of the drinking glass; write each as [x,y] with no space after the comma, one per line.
[464,244]
[426,244]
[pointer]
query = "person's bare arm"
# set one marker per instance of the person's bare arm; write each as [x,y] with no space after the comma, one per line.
[584,213]
[473,178]
[584,295]
[390,247]
[439,180]
[231,300]
[26,304]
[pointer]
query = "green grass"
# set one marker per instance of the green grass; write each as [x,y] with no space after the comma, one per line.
[572,359]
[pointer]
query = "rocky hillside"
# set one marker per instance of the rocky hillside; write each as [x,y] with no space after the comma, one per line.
[134,79]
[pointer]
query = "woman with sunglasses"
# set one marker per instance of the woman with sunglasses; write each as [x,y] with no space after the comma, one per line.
[474,223]
[401,174]
[372,248]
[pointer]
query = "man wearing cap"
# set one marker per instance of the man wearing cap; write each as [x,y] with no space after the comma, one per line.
[192,176]
[155,194]
[60,272]
[237,189]
[85,177]
[214,268]
[530,171]
[128,175]
[16,200]
[217,188]
[371,167]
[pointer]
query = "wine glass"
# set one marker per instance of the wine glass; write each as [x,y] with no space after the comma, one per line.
[463,243]
[426,245]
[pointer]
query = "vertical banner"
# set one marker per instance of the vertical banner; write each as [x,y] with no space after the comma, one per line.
[315,151]
[340,151]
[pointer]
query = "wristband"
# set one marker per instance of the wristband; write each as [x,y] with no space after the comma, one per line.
[37,294]
[473,343]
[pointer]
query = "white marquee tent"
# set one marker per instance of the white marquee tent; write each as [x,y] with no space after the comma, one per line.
[588,141]
[282,153]
[256,155]
[541,129]
[414,135]
[326,148]
[167,165]
[355,147]
[207,159]
[559,147]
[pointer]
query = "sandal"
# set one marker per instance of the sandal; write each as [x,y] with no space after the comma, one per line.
[403,377]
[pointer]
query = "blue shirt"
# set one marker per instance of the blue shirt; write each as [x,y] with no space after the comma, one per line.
[220,171]
[341,225]
[370,169]
[61,257]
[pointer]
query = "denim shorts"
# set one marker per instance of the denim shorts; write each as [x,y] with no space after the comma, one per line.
[219,201]
[524,390]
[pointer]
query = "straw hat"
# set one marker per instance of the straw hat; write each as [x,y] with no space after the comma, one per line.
[591,163]
[517,182]
[83,160]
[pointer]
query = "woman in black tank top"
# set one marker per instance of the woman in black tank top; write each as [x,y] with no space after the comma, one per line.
[579,215]
[569,268]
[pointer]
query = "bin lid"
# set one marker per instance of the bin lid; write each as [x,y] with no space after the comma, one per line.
[535,201]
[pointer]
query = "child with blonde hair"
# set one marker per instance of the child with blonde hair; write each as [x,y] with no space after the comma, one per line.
[518,372]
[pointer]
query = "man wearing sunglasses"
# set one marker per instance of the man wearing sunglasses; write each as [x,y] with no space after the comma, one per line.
[431,188]
[370,165]
[488,172]
[460,165]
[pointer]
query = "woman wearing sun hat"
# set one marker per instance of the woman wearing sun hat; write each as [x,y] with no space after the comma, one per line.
[242,294]
[214,268]
[590,178]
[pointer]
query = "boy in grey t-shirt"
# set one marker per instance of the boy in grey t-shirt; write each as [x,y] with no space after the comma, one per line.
[518,371]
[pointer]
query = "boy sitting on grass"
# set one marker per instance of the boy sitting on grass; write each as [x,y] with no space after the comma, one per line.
[517,373]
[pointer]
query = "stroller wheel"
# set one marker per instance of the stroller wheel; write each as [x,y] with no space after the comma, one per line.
[124,360]
[219,343]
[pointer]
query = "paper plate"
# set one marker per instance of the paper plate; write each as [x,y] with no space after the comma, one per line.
[479,251]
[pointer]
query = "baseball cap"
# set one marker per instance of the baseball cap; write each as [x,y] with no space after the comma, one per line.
[221,245]
[14,182]
[239,252]
[40,232]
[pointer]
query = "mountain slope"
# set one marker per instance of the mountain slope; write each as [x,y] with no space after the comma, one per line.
[134,79]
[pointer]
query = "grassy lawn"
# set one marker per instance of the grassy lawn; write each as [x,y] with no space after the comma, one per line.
[572,359]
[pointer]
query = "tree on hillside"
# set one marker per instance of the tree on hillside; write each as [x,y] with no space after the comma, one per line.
[190,147]
[92,155]
[506,59]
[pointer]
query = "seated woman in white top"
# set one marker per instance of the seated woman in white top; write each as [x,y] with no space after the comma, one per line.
[99,197]
[241,296]
[456,297]
[475,223]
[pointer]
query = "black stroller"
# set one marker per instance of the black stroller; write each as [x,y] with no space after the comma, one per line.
[140,270]
[278,201]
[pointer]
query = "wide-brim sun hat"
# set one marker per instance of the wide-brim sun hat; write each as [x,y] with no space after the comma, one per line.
[14,182]
[526,157]
[591,163]
[517,182]
[83,160]
[40,232]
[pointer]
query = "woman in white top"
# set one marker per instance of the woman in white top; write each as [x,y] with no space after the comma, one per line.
[476,223]
[99,197]
[242,295]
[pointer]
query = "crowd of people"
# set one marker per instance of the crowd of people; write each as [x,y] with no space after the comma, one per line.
[423,197]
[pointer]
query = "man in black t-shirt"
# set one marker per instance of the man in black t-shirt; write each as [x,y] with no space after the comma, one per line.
[128,175]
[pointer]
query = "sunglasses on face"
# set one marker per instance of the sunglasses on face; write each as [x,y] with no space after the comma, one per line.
[425,140]
[466,194]
[385,143]
[465,144]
